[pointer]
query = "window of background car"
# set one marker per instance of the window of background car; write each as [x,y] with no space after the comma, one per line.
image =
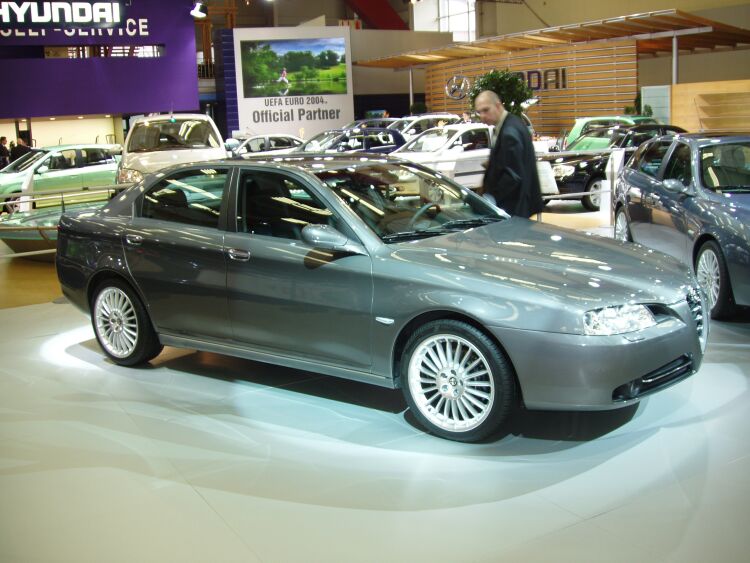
[95,157]
[25,162]
[637,138]
[321,141]
[430,141]
[475,139]
[379,139]
[168,135]
[277,205]
[252,145]
[602,138]
[192,197]
[651,159]
[726,165]
[395,199]
[62,160]
[283,143]
[678,167]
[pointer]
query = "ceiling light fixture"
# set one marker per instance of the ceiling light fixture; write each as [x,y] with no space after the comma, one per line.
[199,10]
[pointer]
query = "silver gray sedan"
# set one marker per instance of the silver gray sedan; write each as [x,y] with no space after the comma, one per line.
[385,272]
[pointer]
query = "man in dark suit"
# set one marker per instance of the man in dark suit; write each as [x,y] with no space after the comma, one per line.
[19,150]
[511,179]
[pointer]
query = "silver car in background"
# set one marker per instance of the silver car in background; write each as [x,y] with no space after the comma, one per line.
[382,271]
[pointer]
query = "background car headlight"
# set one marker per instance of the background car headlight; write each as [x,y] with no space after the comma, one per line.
[129,176]
[617,320]
[562,170]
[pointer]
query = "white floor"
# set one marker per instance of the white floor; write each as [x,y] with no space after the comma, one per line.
[208,458]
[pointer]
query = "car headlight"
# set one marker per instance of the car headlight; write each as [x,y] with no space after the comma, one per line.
[562,170]
[129,176]
[617,320]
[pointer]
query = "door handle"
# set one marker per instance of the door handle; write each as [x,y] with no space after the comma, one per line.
[133,240]
[239,255]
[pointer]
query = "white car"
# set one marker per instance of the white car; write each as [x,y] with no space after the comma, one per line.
[158,141]
[414,125]
[457,151]
[267,144]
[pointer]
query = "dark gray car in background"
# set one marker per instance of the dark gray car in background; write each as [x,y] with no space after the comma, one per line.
[689,196]
[386,272]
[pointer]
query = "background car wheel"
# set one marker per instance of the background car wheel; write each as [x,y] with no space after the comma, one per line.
[594,189]
[11,205]
[622,227]
[713,277]
[121,324]
[456,382]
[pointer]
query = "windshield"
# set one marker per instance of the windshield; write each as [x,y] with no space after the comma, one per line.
[429,141]
[164,135]
[401,125]
[24,162]
[320,142]
[402,202]
[598,139]
[726,166]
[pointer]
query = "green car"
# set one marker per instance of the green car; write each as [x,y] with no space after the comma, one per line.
[60,168]
[585,125]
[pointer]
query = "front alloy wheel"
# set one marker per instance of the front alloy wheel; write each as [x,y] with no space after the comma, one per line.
[622,228]
[713,277]
[455,380]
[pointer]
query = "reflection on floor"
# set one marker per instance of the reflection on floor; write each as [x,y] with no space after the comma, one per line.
[201,457]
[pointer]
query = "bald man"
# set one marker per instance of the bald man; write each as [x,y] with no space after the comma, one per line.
[511,181]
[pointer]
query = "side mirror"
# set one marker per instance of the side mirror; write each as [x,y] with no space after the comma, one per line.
[42,169]
[677,187]
[328,238]
[231,145]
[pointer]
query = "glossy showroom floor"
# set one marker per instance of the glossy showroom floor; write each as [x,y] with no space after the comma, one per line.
[202,457]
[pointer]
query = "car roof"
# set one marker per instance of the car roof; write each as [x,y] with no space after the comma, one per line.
[177,116]
[81,146]
[702,139]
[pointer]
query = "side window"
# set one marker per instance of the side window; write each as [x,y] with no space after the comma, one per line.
[62,160]
[379,139]
[678,167]
[254,145]
[281,142]
[651,159]
[475,140]
[192,197]
[94,157]
[273,204]
[638,138]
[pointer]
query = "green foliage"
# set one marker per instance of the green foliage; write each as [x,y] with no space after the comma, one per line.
[510,87]
[295,60]
[418,107]
[630,110]
[648,111]
[327,59]
[637,103]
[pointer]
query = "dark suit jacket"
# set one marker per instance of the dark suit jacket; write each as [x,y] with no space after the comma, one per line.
[511,175]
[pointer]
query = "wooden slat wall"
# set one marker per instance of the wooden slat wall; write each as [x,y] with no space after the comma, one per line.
[602,80]
[712,106]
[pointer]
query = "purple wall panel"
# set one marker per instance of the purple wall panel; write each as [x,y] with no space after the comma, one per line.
[42,87]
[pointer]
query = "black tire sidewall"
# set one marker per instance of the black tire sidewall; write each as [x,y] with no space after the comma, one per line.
[724,302]
[147,343]
[502,374]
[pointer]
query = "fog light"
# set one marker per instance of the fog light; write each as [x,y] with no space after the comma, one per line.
[628,391]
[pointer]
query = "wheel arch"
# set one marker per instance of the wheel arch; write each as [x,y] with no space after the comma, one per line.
[438,315]
[105,274]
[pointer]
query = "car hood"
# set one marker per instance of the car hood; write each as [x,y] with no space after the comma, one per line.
[545,262]
[156,160]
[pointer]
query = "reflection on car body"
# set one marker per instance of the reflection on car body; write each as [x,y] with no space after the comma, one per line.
[325,263]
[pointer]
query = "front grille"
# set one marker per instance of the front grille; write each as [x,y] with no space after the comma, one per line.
[660,378]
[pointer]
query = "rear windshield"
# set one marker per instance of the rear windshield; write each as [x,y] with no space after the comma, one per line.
[164,134]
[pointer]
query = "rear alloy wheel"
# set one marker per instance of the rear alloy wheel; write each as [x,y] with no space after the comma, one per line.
[713,277]
[456,382]
[594,196]
[122,326]
[622,227]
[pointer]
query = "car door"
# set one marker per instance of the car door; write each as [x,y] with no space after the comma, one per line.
[59,171]
[284,295]
[174,249]
[476,150]
[641,179]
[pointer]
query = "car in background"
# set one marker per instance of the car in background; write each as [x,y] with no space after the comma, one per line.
[63,167]
[582,168]
[157,141]
[318,263]
[689,196]
[584,125]
[267,144]
[457,150]
[414,125]
[372,122]
[366,139]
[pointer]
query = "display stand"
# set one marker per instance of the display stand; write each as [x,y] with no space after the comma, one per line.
[614,165]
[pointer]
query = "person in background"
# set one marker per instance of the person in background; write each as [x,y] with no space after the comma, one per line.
[466,117]
[4,153]
[511,181]
[19,150]
[282,77]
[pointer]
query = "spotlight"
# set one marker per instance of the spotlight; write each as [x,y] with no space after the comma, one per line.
[199,11]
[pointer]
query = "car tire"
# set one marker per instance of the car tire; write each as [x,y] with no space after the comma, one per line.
[622,226]
[11,204]
[593,197]
[713,277]
[456,381]
[121,324]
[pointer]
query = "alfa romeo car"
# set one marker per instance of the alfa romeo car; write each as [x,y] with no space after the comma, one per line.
[325,263]
[689,196]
